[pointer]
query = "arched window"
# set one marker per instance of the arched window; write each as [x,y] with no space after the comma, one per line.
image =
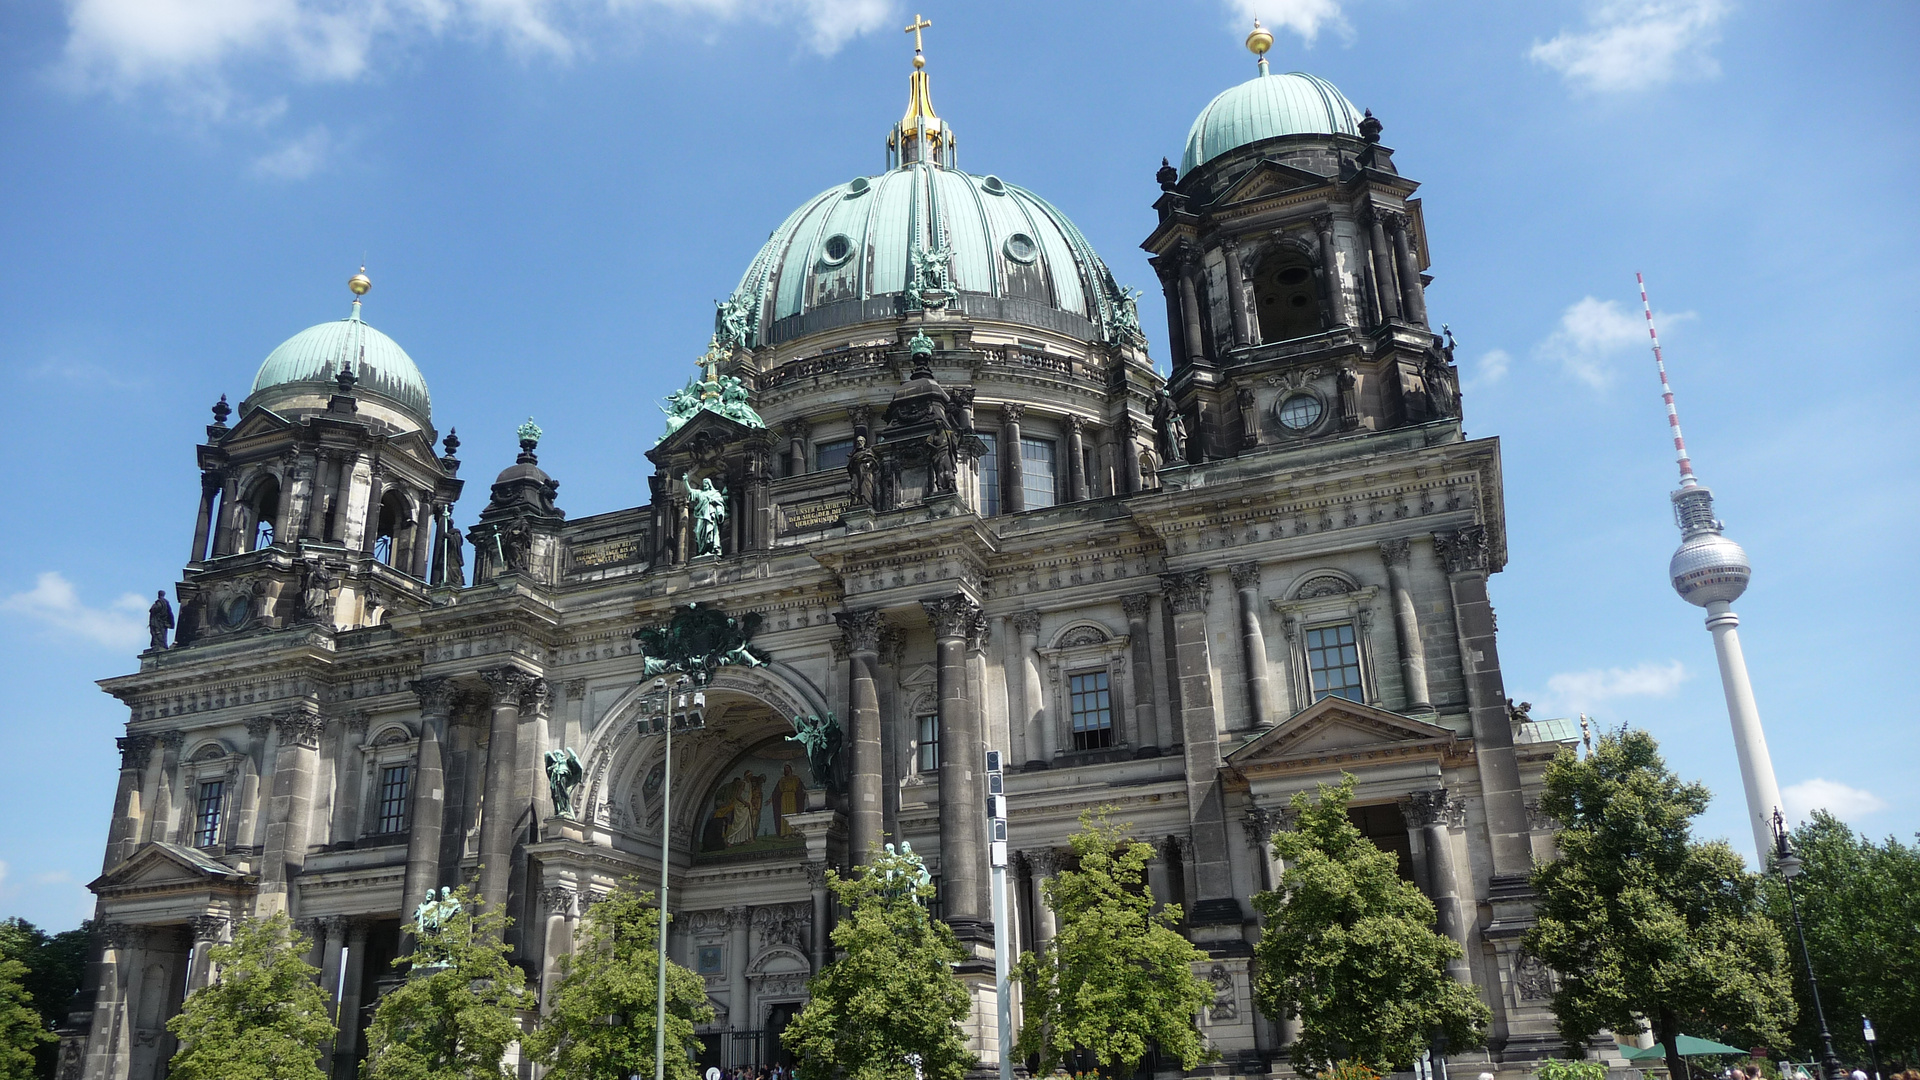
[261,506]
[394,521]
[1285,297]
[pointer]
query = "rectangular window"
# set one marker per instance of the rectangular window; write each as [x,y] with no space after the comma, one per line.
[1333,660]
[1037,473]
[1092,709]
[206,817]
[393,799]
[989,474]
[928,752]
[831,455]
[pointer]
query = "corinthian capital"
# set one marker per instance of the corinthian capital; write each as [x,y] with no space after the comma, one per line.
[1136,605]
[135,751]
[1424,808]
[436,694]
[300,728]
[507,683]
[1463,550]
[1396,552]
[1187,590]
[952,616]
[860,629]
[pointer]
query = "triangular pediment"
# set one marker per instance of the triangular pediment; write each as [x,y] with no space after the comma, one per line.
[257,422]
[717,428]
[1334,728]
[1270,178]
[164,866]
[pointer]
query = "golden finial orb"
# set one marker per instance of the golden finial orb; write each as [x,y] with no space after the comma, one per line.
[1260,40]
[360,282]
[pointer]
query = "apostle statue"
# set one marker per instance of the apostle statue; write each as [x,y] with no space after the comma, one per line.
[315,588]
[455,571]
[863,467]
[563,777]
[707,505]
[943,460]
[159,621]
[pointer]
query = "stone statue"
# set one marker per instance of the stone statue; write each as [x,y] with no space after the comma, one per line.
[1126,316]
[733,403]
[1442,400]
[159,621]
[1349,383]
[433,912]
[1171,428]
[943,460]
[316,588]
[455,571]
[821,738]
[563,776]
[863,467]
[708,508]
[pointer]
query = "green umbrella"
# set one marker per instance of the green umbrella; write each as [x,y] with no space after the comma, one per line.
[1688,1045]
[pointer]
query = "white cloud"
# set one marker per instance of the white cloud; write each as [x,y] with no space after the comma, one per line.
[1592,332]
[298,158]
[52,601]
[1490,368]
[1841,800]
[1580,691]
[1303,17]
[1633,45]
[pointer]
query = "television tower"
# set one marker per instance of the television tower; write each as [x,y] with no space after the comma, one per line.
[1712,571]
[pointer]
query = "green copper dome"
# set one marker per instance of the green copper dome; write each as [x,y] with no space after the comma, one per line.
[306,363]
[1267,107]
[852,254]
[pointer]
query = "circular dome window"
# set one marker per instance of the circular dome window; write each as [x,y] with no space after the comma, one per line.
[836,250]
[1021,248]
[857,187]
[1299,412]
[994,185]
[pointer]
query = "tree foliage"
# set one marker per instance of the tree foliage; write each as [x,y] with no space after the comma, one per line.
[1116,979]
[262,1016]
[614,971]
[22,1031]
[1860,904]
[1350,949]
[54,965]
[454,1016]
[1643,923]
[892,991]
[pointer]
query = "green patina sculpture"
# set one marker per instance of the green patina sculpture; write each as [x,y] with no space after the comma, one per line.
[920,344]
[821,737]
[722,395]
[564,774]
[698,640]
[707,506]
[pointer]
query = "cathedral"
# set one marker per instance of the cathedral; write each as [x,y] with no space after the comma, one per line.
[927,500]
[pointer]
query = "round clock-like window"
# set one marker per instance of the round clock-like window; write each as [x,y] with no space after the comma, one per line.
[837,248]
[233,615]
[1021,248]
[1299,412]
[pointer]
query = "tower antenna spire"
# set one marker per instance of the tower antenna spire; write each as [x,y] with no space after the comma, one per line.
[1687,479]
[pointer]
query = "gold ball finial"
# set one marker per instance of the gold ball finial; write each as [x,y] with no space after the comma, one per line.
[919,61]
[1260,40]
[360,282]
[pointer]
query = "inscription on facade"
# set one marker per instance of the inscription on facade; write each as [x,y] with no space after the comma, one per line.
[607,552]
[811,515]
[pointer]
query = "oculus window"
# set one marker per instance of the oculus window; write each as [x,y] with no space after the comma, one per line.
[1333,660]
[1091,706]
[1299,412]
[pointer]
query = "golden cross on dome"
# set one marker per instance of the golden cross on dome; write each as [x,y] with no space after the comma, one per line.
[919,23]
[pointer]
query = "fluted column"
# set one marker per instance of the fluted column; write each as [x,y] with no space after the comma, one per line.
[1412,293]
[1190,311]
[498,812]
[1213,902]
[961,811]
[1332,294]
[1426,811]
[1253,646]
[865,814]
[207,931]
[1042,863]
[1236,292]
[1385,289]
[1033,697]
[1398,555]
[1076,459]
[429,792]
[290,810]
[1013,491]
[1146,729]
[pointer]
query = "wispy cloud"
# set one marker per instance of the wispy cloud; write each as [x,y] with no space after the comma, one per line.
[84,373]
[1490,368]
[1634,45]
[53,602]
[298,158]
[1303,17]
[1593,334]
[1580,691]
[1843,801]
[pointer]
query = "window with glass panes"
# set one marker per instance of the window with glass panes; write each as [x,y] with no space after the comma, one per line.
[989,474]
[1037,473]
[832,455]
[927,748]
[1333,660]
[1091,706]
[393,799]
[206,813]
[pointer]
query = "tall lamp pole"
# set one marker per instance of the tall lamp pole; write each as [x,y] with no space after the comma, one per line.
[1790,866]
[1873,1048]
[686,707]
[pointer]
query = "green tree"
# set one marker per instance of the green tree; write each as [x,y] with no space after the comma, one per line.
[54,965]
[614,971]
[1351,950]
[1860,904]
[22,1032]
[1116,979]
[892,991]
[454,1016]
[262,1018]
[1642,922]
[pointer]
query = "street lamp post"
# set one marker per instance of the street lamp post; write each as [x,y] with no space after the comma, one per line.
[682,705]
[1873,1048]
[1790,866]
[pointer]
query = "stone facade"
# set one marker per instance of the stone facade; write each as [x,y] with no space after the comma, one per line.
[1185,599]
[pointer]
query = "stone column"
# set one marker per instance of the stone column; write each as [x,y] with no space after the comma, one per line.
[160,828]
[1187,593]
[290,810]
[1013,489]
[129,811]
[1261,823]
[739,1011]
[419,543]
[223,537]
[1465,555]
[1334,296]
[349,777]
[376,488]
[1033,697]
[326,470]
[797,432]
[1076,459]
[1384,288]
[256,777]
[1398,555]
[1125,440]
[1190,311]
[1042,863]
[333,934]
[207,931]
[429,794]
[1426,811]
[1253,646]
[865,814]
[284,526]
[346,1048]
[962,814]
[203,521]
[1236,291]
[817,885]
[559,902]
[1412,293]
[460,764]
[497,811]
[437,563]
[1146,731]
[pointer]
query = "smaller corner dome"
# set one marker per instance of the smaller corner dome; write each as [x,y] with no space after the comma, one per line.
[306,363]
[1268,107]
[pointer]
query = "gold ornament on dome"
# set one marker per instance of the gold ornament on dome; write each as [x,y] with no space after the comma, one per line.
[360,282]
[1260,40]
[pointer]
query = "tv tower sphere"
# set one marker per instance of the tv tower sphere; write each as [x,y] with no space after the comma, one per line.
[1708,567]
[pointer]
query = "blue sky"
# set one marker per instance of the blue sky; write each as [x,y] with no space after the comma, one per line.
[549,194]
